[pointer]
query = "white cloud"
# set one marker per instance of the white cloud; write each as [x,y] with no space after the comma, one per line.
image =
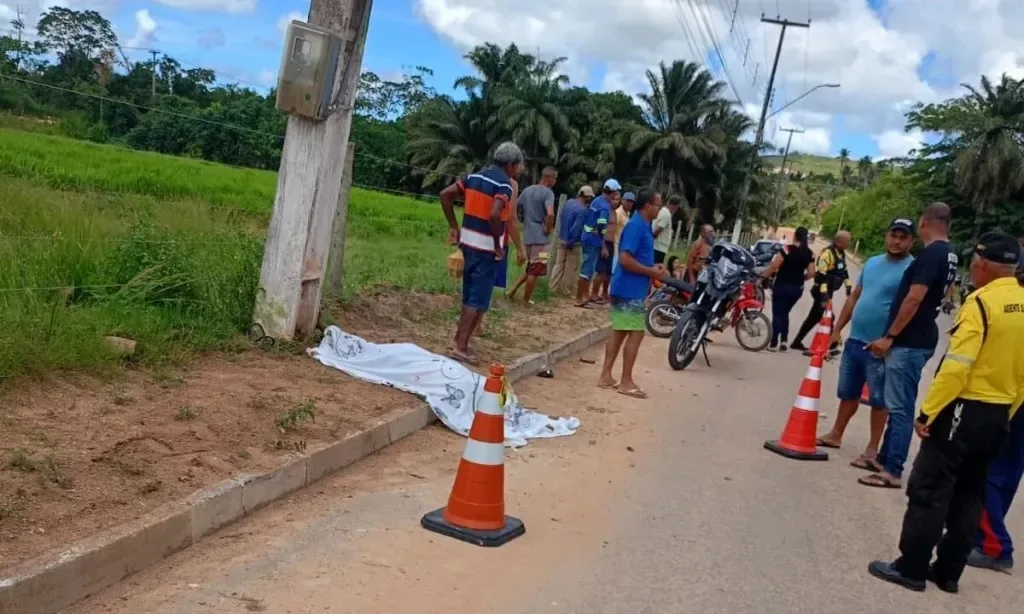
[145,29]
[897,143]
[282,23]
[876,63]
[219,6]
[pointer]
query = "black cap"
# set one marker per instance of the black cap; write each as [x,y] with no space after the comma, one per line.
[999,247]
[902,223]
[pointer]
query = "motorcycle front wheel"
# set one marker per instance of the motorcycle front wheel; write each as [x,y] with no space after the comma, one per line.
[661,318]
[680,345]
[753,331]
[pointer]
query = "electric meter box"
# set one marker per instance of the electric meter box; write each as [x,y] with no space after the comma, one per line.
[307,71]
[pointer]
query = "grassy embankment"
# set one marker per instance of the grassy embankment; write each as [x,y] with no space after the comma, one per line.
[163,250]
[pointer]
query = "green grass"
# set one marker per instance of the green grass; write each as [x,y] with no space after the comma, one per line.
[179,243]
[819,165]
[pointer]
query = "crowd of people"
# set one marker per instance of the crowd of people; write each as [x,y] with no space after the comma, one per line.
[610,249]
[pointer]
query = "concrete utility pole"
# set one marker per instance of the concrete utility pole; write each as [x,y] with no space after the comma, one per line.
[337,254]
[777,209]
[759,137]
[308,184]
[153,76]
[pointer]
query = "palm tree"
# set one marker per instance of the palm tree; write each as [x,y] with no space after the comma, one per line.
[865,170]
[990,163]
[448,138]
[844,158]
[674,142]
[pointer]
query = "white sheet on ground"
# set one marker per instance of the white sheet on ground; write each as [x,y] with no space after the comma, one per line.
[451,390]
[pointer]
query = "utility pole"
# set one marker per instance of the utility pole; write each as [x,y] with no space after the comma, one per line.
[777,209]
[308,184]
[153,76]
[759,137]
[19,25]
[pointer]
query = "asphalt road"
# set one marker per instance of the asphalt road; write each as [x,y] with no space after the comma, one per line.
[665,505]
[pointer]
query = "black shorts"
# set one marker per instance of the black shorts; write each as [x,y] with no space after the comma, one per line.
[659,257]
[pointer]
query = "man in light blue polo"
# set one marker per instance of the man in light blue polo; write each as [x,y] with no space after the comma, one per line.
[867,311]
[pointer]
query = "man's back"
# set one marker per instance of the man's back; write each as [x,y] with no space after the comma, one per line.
[935,268]
[535,201]
[598,213]
[574,214]
[997,310]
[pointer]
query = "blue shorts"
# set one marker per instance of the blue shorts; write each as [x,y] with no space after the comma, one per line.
[604,265]
[588,265]
[479,272]
[858,367]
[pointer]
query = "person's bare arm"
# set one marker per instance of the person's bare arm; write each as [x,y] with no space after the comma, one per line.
[908,308]
[809,274]
[847,312]
[447,198]
[773,266]
[549,220]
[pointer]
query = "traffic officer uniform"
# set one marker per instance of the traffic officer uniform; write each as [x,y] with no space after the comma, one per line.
[993,546]
[978,386]
[829,275]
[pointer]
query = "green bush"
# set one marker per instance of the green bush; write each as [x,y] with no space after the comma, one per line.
[867,214]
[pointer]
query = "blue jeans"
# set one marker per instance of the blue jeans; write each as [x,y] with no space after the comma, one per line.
[903,368]
[784,297]
[479,272]
[858,367]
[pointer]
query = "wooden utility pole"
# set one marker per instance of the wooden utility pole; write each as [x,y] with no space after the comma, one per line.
[759,137]
[777,208]
[308,184]
[341,223]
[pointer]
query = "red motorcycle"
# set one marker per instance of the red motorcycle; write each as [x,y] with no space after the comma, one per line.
[725,295]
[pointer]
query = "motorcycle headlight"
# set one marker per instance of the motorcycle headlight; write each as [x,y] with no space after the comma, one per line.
[727,267]
[702,277]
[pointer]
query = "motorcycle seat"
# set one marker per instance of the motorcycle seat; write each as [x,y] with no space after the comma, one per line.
[680,285]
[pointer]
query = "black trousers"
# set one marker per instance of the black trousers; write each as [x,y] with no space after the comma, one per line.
[814,315]
[947,486]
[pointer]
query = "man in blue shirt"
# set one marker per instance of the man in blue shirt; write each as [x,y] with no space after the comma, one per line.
[570,233]
[594,248]
[630,284]
[867,310]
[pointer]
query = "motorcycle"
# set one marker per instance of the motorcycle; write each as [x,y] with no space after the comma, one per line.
[666,305]
[724,296]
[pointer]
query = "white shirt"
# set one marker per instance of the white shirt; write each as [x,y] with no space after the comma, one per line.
[662,241]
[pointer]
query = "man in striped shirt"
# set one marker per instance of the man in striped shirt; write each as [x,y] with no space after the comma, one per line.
[488,203]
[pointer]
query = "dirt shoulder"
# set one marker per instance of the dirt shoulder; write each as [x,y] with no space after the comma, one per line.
[81,454]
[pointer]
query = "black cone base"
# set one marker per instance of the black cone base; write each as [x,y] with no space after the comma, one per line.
[434,521]
[774,446]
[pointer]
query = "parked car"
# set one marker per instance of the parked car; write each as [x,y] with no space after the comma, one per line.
[764,250]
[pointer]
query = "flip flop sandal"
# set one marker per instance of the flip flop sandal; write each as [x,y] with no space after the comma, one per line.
[546,373]
[821,443]
[865,464]
[464,359]
[636,393]
[877,481]
[613,386]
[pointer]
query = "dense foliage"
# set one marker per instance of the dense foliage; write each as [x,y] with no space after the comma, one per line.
[682,135]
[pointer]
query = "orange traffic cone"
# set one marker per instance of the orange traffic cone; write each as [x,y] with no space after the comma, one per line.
[865,395]
[476,507]
[801,432]
[823,334]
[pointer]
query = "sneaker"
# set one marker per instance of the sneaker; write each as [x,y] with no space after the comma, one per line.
[946,586]
[782,347]
[885,571]
[981,560]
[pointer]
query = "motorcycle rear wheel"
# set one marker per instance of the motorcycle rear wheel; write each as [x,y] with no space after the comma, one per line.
[659,323]
[761,322]
[680,354]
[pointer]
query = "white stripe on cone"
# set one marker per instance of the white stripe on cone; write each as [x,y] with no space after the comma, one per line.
[482,453]
[805,404]
[813,374]
[490,404]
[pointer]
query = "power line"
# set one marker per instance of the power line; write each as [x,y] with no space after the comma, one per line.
[699,7]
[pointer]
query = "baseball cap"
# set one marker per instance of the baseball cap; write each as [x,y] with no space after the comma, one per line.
[999,247]
[904,224]
[585,190]
[629,196]
[613,185]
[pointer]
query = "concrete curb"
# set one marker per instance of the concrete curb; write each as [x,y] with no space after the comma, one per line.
[50,583]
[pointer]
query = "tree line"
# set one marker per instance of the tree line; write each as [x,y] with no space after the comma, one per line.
[682,135]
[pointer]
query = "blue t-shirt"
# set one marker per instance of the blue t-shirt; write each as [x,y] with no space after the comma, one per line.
[879,281]
[637,240]
[571,228]
[596,222]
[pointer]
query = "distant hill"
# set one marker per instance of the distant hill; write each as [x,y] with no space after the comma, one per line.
[806,163]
